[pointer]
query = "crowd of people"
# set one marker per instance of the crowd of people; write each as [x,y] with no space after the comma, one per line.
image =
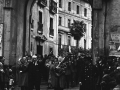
[61,72]
[108,69]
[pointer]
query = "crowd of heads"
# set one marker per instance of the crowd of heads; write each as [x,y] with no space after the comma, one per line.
[110,71]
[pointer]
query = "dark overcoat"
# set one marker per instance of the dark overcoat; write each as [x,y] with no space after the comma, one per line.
[23,76]
[34,72]
[62,81]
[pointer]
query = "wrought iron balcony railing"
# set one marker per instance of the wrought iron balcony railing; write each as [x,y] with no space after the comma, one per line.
[53,7]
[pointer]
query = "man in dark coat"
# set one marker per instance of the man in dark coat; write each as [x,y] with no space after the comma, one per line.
[86,77]
[34,74]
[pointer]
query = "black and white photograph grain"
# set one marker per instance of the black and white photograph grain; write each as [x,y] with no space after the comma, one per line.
[59,44]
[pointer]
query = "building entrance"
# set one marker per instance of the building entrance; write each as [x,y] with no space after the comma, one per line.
[39,49]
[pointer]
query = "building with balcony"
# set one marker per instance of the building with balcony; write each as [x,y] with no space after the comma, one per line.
[43,27]
[27,27]
[68,11]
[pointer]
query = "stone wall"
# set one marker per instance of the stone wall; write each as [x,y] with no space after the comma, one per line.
[104,20]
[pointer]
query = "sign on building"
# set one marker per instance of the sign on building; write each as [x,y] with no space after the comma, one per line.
[114,44]
[115,37]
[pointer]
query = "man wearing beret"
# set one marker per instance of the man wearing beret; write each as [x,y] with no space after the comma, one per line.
[34,73]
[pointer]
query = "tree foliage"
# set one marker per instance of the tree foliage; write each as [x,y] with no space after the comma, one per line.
[77,29]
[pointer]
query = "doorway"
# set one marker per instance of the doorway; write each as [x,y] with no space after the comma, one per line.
[39,49]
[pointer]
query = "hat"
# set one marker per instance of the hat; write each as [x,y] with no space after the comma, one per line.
[34,56]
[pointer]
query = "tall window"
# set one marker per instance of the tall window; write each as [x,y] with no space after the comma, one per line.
[51,23]
[51,27]
[84,44]
[60,20]
[40,17]
[69,40]
[59,39]
[85,27]
[60,3]
[85,12]
[69,6]
[69,22]
[50,50]
[77,9]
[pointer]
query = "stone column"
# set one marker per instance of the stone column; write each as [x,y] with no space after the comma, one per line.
[6,38]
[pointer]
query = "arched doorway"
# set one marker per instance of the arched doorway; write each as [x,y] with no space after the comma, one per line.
[26,31]
[33,22]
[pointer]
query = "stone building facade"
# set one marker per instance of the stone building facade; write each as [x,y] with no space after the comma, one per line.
[27,28]
[31,26]
[43,25]
[106,28]
[68,11]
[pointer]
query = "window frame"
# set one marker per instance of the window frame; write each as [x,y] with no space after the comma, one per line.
[50,50]
[60,21]
[85,27]
[59,39]
[40,18]
[69,22]
[69,40]
[85,12]
[69,6]
[51,26]
[60,3]
[78,9]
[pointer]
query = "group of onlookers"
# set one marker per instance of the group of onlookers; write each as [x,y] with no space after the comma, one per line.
[61,72]
[108,69]
[6,75]
[29,72]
